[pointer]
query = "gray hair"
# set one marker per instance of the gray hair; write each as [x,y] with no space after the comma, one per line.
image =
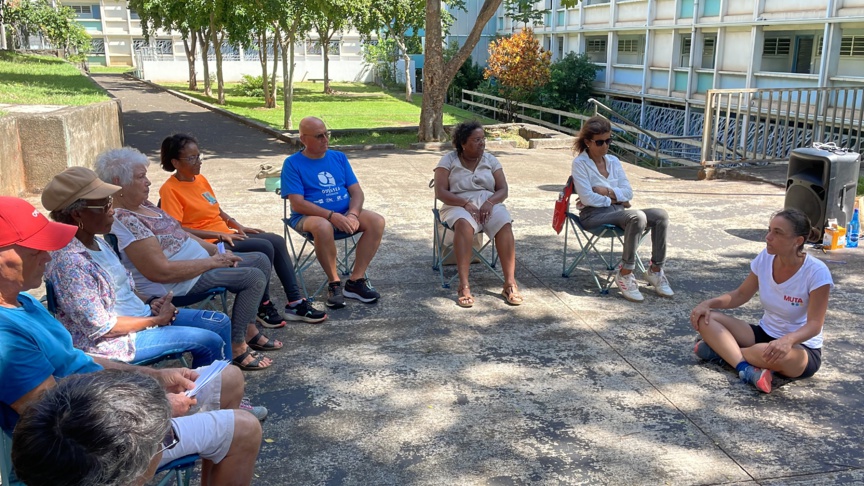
[117,166]
[65,215]
[99,429]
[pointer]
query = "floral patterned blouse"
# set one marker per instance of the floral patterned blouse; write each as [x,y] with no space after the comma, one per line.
[85,297]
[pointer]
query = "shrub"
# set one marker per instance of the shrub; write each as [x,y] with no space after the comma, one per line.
[251,86]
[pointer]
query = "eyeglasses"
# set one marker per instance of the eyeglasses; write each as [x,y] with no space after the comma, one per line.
[105,207]
[171,439]
[478,139]
[599,143]
[192,158]
[321,136]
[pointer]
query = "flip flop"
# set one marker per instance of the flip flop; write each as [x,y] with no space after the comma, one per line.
[254,365]
[270,345]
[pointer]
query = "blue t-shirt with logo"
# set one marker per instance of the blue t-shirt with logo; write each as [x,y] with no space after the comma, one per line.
[33,346]
[323,181]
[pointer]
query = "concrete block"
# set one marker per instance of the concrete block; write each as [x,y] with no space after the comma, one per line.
[50,142]
[11,163]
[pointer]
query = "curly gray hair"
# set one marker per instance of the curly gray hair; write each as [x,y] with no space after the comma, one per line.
[96,429]
[117,166]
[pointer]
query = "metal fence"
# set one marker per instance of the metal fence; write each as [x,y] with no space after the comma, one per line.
[632,142]
[765,125]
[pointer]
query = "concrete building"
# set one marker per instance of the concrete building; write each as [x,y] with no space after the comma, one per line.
[118,40]
[671,52]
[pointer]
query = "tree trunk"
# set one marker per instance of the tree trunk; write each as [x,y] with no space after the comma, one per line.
[288,73]
[407,59]
[217,47]
[204,40]
[437,75]
[277,40]
[265,74]
[325,45]
[191,53]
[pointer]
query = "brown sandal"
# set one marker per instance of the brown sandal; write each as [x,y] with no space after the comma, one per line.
[464,298]
[511,295]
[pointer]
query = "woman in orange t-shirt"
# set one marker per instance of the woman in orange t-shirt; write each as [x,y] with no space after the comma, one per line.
[188,197]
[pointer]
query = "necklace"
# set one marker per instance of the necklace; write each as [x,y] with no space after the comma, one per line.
[471,161]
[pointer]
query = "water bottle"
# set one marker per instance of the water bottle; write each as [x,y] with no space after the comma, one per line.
[852,231]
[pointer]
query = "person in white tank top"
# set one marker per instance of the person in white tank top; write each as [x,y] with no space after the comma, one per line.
[793,289]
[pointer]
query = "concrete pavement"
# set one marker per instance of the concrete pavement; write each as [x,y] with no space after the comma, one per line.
[569,388]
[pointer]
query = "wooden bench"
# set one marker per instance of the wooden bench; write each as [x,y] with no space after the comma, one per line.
[315,80]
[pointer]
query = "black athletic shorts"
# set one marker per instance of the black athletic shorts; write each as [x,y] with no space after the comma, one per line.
[814,355]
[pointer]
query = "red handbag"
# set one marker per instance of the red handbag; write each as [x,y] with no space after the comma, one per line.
[562,205]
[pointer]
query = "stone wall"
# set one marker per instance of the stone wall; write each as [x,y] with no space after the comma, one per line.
[43,144]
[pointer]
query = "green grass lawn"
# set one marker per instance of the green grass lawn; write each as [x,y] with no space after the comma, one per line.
[43,80]
[355,105]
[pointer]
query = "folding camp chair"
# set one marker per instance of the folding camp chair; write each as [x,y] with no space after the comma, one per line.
[589,251]
[6,461]
[304,258]
[442,247]
[179,469]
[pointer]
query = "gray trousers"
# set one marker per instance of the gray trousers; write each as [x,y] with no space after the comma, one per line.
[634,222]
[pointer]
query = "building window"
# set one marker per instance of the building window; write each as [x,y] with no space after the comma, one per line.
[165,46]
[777,46]
[562,17]
[500,23]
[313,47]
[686,45]
[138,44]
[97,47]
[547,43]
[595,45]
[81,9]
[334,49]
[560,41]
[851,45]
[134,15]
[628,46]
[708,50]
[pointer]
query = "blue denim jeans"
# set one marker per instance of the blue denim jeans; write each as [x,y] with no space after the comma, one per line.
[205,334]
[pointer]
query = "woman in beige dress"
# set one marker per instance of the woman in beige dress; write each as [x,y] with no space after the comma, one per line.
[471,185]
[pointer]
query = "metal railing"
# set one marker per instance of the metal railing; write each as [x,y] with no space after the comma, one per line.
[765,125]
[635,144]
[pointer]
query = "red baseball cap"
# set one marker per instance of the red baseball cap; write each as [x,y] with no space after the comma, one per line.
[22,224]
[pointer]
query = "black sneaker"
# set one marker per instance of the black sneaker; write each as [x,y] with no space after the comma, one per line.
[304,312]
[269,317]
[335,299]
[361,290]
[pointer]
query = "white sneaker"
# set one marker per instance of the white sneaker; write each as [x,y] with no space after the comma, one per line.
[628,286]
[659,282]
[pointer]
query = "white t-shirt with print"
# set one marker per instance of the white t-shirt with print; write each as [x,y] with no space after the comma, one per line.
[786,304]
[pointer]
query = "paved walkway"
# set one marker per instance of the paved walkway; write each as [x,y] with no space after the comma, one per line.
[570,388]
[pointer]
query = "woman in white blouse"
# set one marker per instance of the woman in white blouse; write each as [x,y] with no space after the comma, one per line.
[604,197]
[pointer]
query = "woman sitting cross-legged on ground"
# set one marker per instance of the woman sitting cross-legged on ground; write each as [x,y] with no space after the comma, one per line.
[793,289]
[604,198]
[163,257]
[472,186]
[188,197]
[95,297]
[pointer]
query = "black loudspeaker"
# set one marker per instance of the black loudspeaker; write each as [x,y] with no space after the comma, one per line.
[822,184]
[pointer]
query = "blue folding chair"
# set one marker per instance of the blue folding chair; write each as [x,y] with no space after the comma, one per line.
[6,461]
[305,257]
[442,248]
[589,252]
[180,470]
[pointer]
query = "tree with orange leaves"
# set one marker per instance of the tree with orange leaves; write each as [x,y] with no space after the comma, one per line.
[519,65]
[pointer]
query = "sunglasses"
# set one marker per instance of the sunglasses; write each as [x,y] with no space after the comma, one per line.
[103,208]
[321,136]
[171,439]
[600,143]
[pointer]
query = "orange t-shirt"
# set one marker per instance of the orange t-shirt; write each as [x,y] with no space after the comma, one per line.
[193,204]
